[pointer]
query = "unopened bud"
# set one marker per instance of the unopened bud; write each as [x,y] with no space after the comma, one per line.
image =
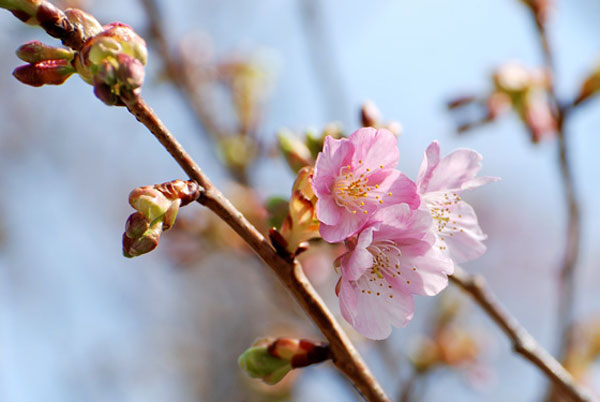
[112,61]
[130,73]
[51,72]
[295,152]
[136,225]
[271,360]
[185,190]
[115,39]
[370,115]
[148,241]
[257,362]
[150,202]
[84,22]
[590,86]
[35,51]
[301,223]
[157,208]
[25,10]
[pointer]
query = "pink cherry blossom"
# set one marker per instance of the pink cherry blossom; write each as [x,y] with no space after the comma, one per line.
[391,259]
[440,183]
[356,176]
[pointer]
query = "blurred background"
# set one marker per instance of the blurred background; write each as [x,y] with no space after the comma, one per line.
[78,321]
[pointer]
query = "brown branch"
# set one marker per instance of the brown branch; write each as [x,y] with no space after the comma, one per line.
[567,292]
[523,343]
[345,356]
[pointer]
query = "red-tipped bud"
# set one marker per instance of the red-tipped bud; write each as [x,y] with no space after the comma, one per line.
[157,208]
[51,72]
[370,115]
[136,225]
[148,241]
[271,360]
[36,51]
[185,190]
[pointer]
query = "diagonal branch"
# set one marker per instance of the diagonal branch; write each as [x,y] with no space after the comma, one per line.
[567,272]
[344,355]
[523,343]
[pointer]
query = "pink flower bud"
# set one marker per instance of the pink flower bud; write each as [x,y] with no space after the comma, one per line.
[136,225]
[148,241]
[35,51]
[370,115]
[51,72]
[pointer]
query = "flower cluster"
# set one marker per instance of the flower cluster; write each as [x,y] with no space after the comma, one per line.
[402,238]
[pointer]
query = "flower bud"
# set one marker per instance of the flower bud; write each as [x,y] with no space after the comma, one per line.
[35,51]
[271,360]
[257,362]
[295,152]
[370,115]
[157,208]
[150,202]
[314,141]
[590,86]
[131,72]
[186,191]
[25,10]
[301,223]
[112,61]
[51,72]
[84,22]
[148,241]
[136,225]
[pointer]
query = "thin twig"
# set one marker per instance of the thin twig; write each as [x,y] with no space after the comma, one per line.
[523,343]
[566,292]
[345,356]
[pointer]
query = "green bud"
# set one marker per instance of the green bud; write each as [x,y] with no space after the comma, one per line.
[257,362]
[150,202]
[36,51]
[296,152]
[28,7]
[277,207]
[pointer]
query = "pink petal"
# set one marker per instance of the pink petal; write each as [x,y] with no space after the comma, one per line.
[465,244]
[431,159]
[400,222]
[401,188]
[374,148]
[348,225]
[359,260]
[456,171]
[328,211]
[335,154]
[372,315]
[425,275]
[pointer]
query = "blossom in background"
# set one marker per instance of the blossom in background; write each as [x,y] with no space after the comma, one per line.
[392,258]
[440,182]
[356,176]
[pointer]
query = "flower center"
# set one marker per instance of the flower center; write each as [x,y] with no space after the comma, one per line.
[441,207]
[351,190]
[386,264]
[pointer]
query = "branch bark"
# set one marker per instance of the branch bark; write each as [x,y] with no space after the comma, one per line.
[344,355]
[523,343]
